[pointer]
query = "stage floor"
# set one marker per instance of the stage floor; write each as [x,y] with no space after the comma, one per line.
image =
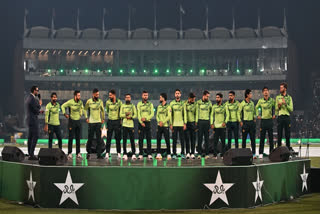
[179,162]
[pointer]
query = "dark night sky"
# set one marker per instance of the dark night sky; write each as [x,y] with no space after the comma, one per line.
[303,22]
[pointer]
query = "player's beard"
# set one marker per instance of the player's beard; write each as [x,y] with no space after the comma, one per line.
[161,101]
[127,101]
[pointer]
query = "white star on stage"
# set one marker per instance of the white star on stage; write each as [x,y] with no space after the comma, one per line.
[219,190]
[31,184]
[69,189]
[104,131]
[304,177]
[258,185]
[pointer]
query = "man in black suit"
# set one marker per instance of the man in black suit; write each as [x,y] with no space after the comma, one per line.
[33,105]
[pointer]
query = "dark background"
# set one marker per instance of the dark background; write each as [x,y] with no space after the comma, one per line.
[302,18]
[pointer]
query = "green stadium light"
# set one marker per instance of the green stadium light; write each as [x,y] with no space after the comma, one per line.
[109,71]
[121,71]
[132,71]
[249,70]
[49,70]
[61,70]
[238,71]
[202,70]
[156,71]
[179,70]
[74,70]
[86,70]
[168,71]
[191,70]
[98,70]
[144,71]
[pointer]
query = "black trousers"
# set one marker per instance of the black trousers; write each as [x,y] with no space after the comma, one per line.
[113,126]
[165,132]
[74,131]
[128,131]
[249,127]
[204,127]
[145,132]
[266,126]
[33,136]
[190,137]
[177,130]
[219,133]
[54,130]
[284,122]
[94,128]
[233,127]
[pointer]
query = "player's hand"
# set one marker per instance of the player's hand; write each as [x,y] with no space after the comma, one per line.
[274,117]
[259,117]
[212,126]
[160,123]
[45,128]
[67,116]
[184,127]
[102,121]
[241,124]
[87,120]
[143,124]
[143,119]
[223,124]
[283,101]
[171,127]
[40,102]
[254,120]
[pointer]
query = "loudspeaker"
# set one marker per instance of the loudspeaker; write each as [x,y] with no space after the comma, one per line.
[94,146]
[12,153]
[54,156]
[234,157]
[280,154]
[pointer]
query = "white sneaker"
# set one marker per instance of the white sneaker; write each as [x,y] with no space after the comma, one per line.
[261,156]
[140,157]
[192,156]
[70,156]
[168,157]
[150,157]
[79,156]
[125,157]
[206,157]
[159,157]
[134,157]
[107,156]
[188,156]
[119,156]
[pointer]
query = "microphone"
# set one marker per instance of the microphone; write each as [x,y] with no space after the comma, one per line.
[39,96]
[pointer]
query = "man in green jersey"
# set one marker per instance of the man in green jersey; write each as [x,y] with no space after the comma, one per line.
[163,120]
[113,106]
[283,108]
[247,114]
[190,133]
[232,119]
[128,112]
[94,108]
[145,114]
[265,111]
[218,124]
[52,121]
[76,110]
[203,121]
[178,123]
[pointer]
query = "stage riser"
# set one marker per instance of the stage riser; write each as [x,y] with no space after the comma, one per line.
[129,188]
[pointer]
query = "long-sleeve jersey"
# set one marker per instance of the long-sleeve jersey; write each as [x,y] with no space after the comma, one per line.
[52,114]
[203,110]
[76,109]
[95,109]
[191,110]
[218,115]
[247,111]
[113,109]
[266,107]
[232,111]
[145,110]
[164,114]
[285,109]
[128,110]
[178,118]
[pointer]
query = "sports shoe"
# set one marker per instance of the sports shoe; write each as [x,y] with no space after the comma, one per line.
[159,157]
[199,156]
[174,156]
[188,156]
[134,157]
[70,156]
[261,156]
[119,156]
[206,157]
[150,157]
[183,156]
[125,157]
[107,156]
[140,157]
[168,157]
[192,156]
[79,156]
[215,157]
[88,157]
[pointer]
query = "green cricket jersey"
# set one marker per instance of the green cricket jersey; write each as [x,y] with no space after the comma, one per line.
[267,108]
[96,110]
[164,114]
[76,109]
[285,109]
[145,110]
[232,111]
[178,118]
[128,110]
[203,110]
[113,109]
[191,110]
[218,115]
[247,111]
[52,114]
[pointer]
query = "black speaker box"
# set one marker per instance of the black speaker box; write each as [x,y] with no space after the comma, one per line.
[235,157]
[12,153]
[280,154]
[54,156]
